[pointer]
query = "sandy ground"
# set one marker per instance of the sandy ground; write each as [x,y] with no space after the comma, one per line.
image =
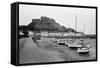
[45,50]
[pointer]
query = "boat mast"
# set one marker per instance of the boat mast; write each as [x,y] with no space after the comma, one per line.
[84,28]
[76,23]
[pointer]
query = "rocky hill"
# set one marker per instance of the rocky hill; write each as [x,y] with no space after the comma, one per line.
[46,23]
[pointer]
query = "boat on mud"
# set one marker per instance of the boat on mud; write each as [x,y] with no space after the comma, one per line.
[74,45]
[83,50]
[61,42]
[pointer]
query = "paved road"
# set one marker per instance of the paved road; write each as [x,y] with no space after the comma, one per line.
[30,53]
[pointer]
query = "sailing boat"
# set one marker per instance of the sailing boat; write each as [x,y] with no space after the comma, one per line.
[85,47]
[75,44]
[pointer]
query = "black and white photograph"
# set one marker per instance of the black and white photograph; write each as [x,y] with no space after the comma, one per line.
[49,34]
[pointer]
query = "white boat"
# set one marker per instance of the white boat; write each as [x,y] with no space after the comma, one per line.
[74,45]
[61,42]
[54,39]
[83,50]
[66,42]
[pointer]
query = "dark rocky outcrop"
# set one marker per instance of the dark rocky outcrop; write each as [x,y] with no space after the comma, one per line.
[46,23]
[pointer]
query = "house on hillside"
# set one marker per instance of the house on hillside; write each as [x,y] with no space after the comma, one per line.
[44,33]
[66,34]
[79,34]
[30,33]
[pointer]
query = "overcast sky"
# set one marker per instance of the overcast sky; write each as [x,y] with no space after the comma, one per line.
[65,16]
